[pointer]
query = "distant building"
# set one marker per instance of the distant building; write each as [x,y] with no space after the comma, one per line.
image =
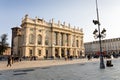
[7,51]
[108,46]
[36,37]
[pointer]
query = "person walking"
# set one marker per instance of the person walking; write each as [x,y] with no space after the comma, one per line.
[9,61]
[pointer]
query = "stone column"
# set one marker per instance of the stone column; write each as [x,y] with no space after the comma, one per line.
[76,53]
[35,46]
[43,37]
[53,38]
[52,45]
[71,52]
[35,34]
[25,41]
[26,36]
[58,39]
[26,52]
[74,41]
[53,51]
[43,52]
[79,42]
[65,52]
[64,40]
[69,41]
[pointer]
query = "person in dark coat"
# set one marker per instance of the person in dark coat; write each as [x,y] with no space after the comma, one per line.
[9,61]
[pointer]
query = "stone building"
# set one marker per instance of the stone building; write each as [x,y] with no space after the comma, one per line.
[7,51]
[36,37]
[108,45]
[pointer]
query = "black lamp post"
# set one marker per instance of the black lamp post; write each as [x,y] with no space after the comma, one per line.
[99,34]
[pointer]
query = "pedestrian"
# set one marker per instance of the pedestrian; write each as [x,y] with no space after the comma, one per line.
[88,56]
[9,61]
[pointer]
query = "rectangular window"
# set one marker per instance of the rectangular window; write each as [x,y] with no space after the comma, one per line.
[30,52]
[39,52]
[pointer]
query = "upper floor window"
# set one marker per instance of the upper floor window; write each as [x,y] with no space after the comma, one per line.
[47,37]
[77,43]
[31,39]
[39,39]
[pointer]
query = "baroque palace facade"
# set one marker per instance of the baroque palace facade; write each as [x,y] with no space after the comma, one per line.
[36,37]
[108,46]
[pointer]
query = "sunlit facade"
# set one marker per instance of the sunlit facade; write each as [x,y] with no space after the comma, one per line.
[36,37]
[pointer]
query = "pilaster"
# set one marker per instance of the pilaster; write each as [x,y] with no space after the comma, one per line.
[26,36]
[58,39]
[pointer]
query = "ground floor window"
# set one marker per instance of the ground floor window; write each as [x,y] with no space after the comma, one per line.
[30,52]
[46,53]
[62,53]
[39,52]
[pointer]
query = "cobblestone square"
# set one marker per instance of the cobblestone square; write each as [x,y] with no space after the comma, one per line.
[78,71]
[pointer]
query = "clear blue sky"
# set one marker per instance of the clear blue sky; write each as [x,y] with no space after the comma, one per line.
[79,13]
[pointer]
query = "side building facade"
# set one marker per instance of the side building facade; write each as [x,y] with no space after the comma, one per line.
[109,46]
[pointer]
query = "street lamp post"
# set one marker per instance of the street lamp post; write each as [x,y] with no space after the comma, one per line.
[99,34]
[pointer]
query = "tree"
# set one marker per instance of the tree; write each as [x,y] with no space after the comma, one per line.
[3,43]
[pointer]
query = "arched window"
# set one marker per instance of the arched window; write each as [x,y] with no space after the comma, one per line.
[39,39]
[31,39]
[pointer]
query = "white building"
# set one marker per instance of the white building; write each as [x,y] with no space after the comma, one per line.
[108,45]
